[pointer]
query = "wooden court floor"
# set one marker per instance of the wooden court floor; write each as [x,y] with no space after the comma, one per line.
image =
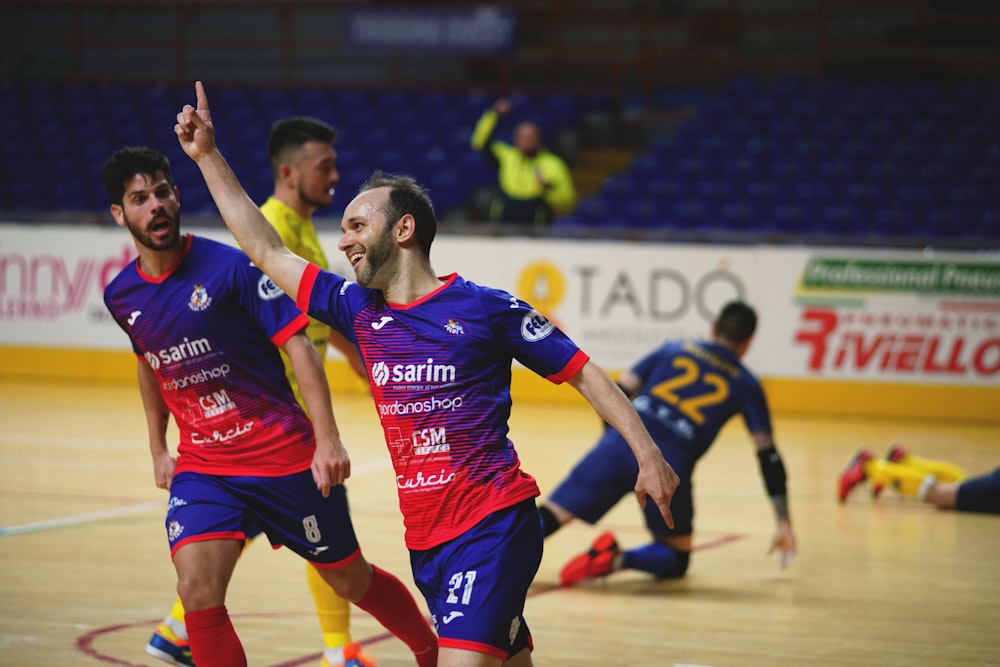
[85,574]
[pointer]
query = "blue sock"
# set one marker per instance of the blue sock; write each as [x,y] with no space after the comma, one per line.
[658,559]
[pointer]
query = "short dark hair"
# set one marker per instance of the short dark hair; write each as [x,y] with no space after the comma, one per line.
[736,323]
[129,161]
[406,196]
[293,133]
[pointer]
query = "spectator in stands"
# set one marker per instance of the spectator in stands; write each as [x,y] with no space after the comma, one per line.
[940,483]
[535,185]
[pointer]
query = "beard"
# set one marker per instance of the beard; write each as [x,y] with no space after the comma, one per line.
[145,238]
[376,256]
[313,201]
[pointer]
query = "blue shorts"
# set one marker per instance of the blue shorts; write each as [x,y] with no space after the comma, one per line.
[606,474]
[980,494]
[290,510]
[475,585]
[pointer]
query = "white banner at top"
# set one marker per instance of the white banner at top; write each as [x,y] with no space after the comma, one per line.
[833,313]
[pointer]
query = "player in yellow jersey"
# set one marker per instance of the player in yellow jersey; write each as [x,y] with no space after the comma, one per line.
[940,483]
[305,174]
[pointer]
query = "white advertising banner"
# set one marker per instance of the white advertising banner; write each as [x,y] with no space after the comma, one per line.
[830,313]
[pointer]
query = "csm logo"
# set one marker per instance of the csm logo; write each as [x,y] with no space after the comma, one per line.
[174,353]
[267,290]
[535,327]
[427,372]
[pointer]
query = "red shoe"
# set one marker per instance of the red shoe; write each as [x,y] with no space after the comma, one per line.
[854,473]
[894,455]
[597,562]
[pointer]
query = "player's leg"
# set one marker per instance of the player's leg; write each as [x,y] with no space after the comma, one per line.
[204,569]
[296,515]
[334,614]
[387,599]
[975,494]
[206,528]
[595,484]
[943,471]
[170,639]
[665,557]
[475,586]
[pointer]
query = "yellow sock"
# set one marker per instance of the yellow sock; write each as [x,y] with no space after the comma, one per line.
[906,479]
[334,612]
[173,627]
[942,470]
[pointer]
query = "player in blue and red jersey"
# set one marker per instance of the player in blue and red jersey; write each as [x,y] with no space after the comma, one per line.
[438,351]
[206,325]
[685,391]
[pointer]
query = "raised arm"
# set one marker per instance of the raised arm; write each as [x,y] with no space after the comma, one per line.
[196,135]
[656,478]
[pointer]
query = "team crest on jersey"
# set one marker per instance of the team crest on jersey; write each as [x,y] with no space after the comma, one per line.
[454,327]
[174,530]
[200,300]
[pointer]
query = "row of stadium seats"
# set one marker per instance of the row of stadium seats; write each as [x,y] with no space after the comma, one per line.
[780,156]
[66,131]
[827,157]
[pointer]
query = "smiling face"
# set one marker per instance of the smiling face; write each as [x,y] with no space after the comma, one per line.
[150,209]
[367,239]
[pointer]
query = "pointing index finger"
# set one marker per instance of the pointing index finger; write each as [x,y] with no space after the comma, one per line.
[199,89]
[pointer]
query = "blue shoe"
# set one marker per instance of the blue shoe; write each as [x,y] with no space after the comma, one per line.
[170,648]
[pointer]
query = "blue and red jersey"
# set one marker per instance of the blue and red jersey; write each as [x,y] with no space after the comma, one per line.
[440,373]
[209,328]
[690,389]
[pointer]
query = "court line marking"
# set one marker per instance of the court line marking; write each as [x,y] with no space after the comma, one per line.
[79,519]
[129,510]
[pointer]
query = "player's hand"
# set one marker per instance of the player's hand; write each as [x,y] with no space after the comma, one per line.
[783,544]
[502,106]
[163,470]
[331,466]
[659,481]
[194,129]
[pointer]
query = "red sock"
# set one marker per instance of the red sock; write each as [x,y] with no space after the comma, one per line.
[390,602]
[213,639]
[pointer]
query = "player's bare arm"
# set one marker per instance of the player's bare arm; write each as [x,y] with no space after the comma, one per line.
[331,464]
[157,418]
[656,478]
[196,135]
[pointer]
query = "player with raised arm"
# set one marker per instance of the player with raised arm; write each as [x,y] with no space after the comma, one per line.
[438,351]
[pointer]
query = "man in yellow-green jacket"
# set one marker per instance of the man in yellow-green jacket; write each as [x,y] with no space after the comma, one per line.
[535,184]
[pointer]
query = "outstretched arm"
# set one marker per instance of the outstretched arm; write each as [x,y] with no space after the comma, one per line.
[196,135]
[656,478]
[772,469]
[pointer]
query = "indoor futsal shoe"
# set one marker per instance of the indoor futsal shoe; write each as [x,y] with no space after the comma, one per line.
[168,647]
[598,561]
[894,455]
[353,657]
[854,473]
